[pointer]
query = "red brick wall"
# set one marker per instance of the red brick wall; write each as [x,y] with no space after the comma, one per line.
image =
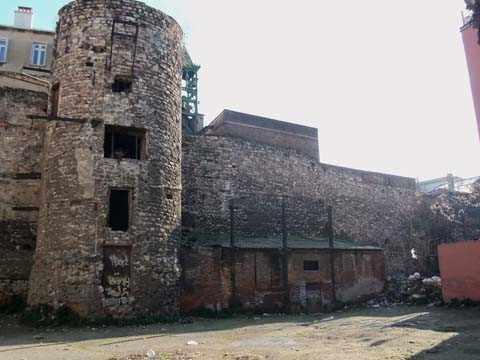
[206,280]
[460,270]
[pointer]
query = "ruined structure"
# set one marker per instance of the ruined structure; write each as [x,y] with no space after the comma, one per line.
[111,178]
[20,174]
[98,184]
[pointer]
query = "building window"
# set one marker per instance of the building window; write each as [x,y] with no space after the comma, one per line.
[39,54]
[310,265]
[124,143]
[119,210]
[122,84]
[3,50]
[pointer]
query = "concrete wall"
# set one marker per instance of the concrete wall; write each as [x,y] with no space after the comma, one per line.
[460,270]
[370,208]
[20,152]
[206,280]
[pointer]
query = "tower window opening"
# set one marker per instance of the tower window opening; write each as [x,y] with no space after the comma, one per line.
[310,265]
[124,143]
[55,99]
[122,84]
[119,210]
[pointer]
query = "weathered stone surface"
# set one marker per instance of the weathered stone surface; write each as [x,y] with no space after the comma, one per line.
[443,217]
[60,167]
[370,208]
[20,152]
[80,262]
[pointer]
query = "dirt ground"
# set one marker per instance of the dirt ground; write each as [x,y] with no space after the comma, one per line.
[376,333]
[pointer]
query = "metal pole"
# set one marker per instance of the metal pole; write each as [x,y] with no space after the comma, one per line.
[331,245]
[285,256]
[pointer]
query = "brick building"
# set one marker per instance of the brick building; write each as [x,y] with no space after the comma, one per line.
[98,182]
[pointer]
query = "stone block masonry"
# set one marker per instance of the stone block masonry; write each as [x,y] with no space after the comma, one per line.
[20,152]
[111,171]
[370,208]
[94,185]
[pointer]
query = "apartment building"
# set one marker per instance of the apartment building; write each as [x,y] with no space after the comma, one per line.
[26,53]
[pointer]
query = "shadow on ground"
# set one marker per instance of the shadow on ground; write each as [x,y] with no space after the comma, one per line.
[462,324]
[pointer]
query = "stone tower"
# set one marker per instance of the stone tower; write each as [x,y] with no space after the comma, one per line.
[111,170]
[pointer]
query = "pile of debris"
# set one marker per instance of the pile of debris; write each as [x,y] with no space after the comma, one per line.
[415,289]
[424,291]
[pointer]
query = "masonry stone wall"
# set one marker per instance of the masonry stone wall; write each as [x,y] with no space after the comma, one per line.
[20,152]
[444,217]
[369,208]
[80,261]
[300,138]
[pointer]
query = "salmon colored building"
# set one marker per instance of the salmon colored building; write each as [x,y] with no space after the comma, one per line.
[460,269]
[470,37]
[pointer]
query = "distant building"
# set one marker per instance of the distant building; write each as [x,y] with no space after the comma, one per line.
[26,54]
[450,182]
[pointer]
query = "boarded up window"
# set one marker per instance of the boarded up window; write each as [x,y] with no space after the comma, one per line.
[124,143]
[116,272]
[309,265]
[119,210]
[276,264]
[313,294]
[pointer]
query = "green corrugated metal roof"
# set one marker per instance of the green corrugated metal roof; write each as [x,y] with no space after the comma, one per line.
[223,240]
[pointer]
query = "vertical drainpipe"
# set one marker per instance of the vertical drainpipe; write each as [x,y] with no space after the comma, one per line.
[233,255]
[331,246]
[286,290]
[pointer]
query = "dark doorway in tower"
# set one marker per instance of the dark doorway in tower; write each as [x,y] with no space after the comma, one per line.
[119,210]
[124,142]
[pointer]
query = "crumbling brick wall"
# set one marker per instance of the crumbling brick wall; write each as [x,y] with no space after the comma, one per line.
[207,281]
[20,152]
[370,208]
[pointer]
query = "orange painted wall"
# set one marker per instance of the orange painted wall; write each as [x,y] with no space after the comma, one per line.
[472,51]
[460,270]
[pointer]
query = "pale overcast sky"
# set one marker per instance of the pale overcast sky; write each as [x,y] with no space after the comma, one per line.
[385,81]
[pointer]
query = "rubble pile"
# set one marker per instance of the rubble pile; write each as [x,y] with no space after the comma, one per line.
[424,290]
[414,289]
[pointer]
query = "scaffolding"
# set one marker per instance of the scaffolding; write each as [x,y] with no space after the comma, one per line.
[190,112]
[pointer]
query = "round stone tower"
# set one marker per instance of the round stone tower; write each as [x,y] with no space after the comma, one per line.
[111,172]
